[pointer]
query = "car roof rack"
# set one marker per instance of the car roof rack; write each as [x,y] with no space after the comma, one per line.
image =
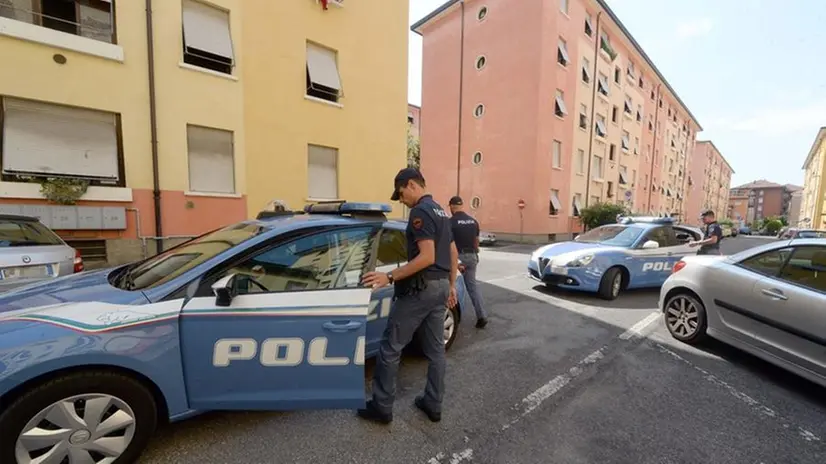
[354,209]
[646,220]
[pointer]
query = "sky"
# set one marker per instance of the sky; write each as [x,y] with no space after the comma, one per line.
[754,76]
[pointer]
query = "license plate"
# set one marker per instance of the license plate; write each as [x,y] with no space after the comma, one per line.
[26,272]
[559,270]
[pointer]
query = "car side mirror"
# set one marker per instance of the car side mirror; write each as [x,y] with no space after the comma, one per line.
[650,245]
[225,290]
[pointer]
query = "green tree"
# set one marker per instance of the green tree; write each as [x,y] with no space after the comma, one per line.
[773,226]
[727,222]
[413,149]
[600,214]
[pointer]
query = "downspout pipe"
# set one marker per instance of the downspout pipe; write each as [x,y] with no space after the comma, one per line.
[654,143]
[153,125]
[461,95]
[593,122]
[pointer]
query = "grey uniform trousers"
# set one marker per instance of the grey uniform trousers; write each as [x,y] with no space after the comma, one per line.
[408,313]
[471,261]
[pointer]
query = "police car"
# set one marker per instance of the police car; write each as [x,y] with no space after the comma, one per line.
[637,252]
[266,314]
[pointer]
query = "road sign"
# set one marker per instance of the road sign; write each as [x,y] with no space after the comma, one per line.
[521,204]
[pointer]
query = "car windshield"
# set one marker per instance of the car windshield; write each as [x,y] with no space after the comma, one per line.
[614,235]
[166,266]
[23,232]
[811,234]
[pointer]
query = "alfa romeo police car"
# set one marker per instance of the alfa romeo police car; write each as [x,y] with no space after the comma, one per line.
[637,252]
[265,314]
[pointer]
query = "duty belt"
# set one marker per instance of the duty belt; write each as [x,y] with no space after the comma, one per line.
[467,251]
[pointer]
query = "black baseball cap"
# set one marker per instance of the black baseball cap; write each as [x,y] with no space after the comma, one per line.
[402,178]
[456,201]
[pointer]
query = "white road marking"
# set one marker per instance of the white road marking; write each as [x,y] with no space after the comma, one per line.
[748,400]
[455,458]
[636,329]
[507,277]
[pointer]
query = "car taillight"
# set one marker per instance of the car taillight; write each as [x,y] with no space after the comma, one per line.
[677,266]
[78,262]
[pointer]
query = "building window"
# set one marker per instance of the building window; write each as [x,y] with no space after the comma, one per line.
[583,116]
[410,120]
[93,19]
[594,200]
[479,111]
[577,204]
[207,38]
[586,70]
[559,104]
[554,205]
[323,80]
[636,145]
[612,150]
[623,175]
[322,172]
[626,140]
[562,52]
[639,113]
[480,62]
[614,111]
[600,126]
[602,84]
[46,140]
[556,154]
[211,160]
[589,27]
[580,161]
[475,202]
[477,158]
[563,6]
[641,82]
[596,172]
[483,12]
[617,75]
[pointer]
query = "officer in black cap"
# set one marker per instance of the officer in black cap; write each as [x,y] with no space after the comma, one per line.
[466,236]
[710,245]
[422,289]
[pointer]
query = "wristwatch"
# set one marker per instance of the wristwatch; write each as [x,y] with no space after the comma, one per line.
[390,277]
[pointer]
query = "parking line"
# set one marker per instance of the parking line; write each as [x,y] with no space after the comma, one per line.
[636,329]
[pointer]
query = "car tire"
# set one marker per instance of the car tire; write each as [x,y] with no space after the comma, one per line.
[125,395]
[679,310]
[610,285]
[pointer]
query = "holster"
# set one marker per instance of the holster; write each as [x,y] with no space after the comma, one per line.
[410,286]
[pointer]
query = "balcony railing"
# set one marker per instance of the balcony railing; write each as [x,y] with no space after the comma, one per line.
[86,18]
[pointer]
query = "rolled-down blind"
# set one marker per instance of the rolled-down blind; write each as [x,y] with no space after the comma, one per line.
[322,172]
[211,160]
[207,29]
[40,138]
[323,68]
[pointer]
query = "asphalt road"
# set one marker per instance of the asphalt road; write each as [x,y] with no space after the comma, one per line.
[555,378]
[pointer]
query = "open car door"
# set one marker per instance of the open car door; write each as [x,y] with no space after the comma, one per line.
[282,328]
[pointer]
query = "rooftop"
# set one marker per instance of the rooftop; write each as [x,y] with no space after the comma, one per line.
[820,139]
[443,9]
[758,184]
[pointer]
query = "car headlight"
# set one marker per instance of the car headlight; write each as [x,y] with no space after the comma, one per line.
[580,261]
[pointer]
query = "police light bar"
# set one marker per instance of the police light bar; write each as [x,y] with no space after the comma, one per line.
[646,220]
[343,207]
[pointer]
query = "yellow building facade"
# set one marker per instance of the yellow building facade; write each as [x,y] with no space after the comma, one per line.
[812,212]
[238,103]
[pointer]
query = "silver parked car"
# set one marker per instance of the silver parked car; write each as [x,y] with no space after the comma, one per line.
[769,301]
[30,252]
[487,238]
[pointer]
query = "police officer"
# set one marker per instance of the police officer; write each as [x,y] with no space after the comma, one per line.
[710,245]
[466,236]
[422,288]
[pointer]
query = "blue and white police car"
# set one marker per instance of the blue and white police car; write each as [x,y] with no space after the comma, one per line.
[637,252]
[266,314]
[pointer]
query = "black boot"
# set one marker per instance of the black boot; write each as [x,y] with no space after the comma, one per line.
[481,323]
[372,413]
[432,415]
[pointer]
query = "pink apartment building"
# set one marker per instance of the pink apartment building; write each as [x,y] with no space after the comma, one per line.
[709,182]
[560,108]
[414,116]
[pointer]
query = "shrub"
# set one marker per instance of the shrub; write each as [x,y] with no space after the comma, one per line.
[600,214]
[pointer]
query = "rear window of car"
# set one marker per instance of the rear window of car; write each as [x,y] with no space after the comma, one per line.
[21,232]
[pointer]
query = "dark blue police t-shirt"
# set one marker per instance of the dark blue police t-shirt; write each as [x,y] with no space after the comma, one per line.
[428,221]
[465,230]
[712,230]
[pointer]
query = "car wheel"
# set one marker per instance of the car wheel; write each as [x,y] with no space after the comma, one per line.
[81,417]
[611,284]
[451,326]
[685,318]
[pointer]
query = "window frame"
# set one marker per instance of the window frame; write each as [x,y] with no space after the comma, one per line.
[777,275]
[192,56]
[93,181]
[232,160]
